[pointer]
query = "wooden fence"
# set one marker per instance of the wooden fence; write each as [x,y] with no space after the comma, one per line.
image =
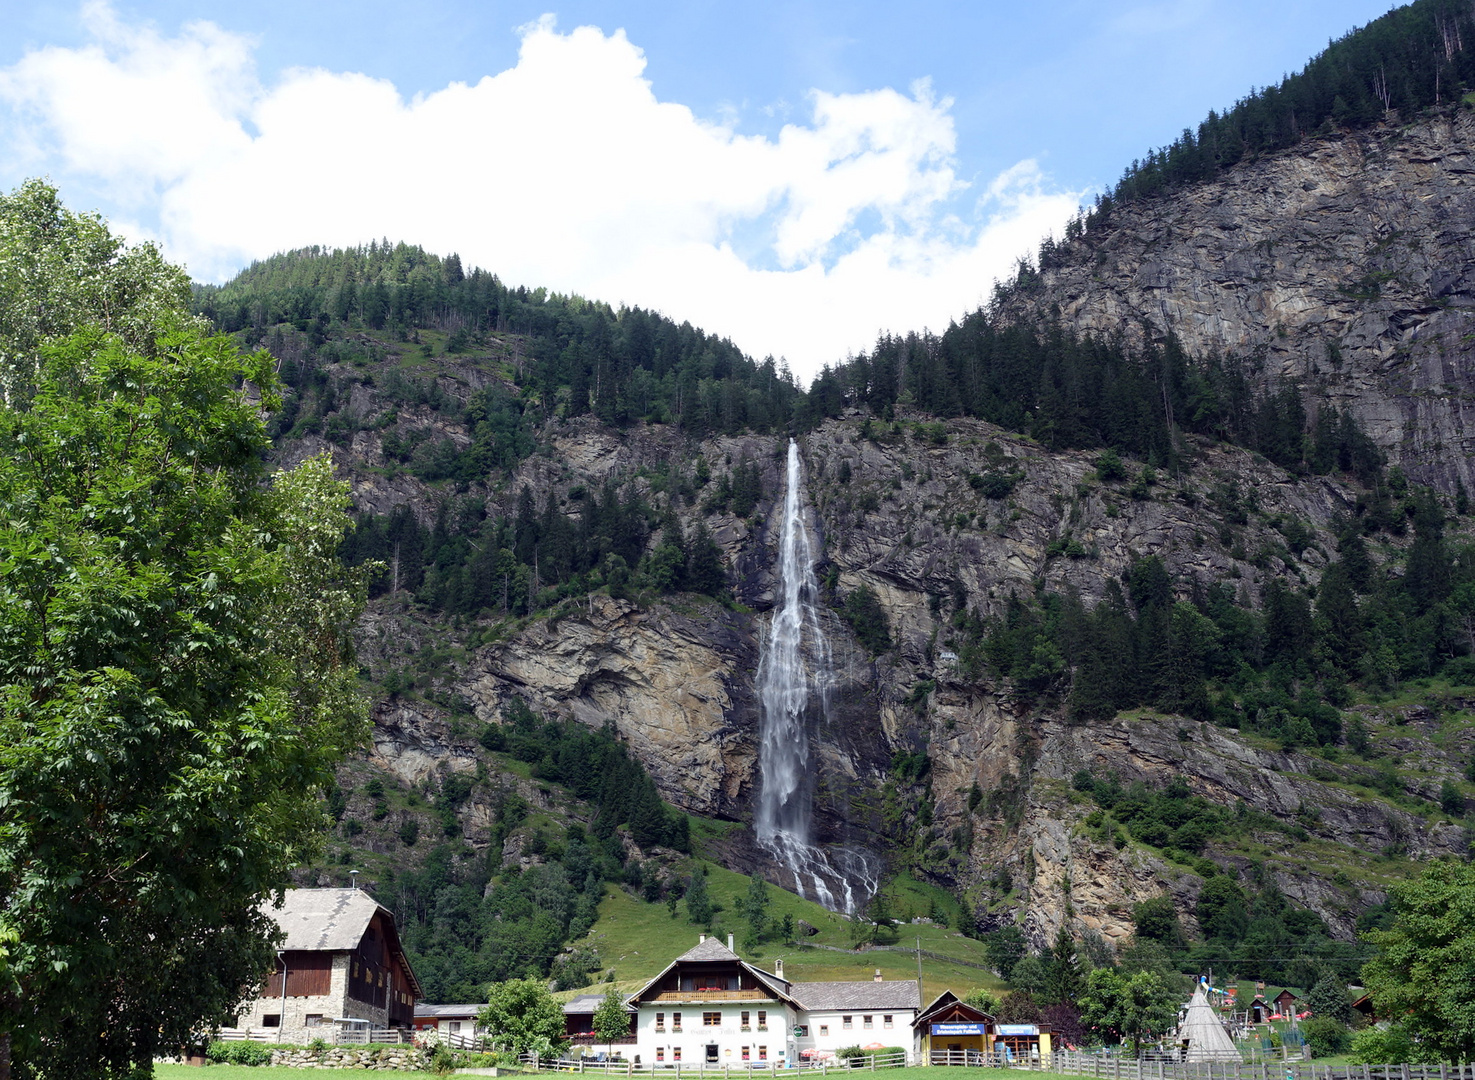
[1115,1068]
[744,1070]
[348,1036]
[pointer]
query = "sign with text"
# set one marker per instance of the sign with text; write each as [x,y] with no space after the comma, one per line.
[958,1029]
[1018,1029]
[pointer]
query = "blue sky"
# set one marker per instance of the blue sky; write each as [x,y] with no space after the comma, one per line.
[798,176]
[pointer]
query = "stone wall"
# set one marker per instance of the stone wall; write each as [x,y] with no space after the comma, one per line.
[352,1057]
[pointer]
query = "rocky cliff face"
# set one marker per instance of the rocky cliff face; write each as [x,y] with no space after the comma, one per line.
[1345,265]
[675,675]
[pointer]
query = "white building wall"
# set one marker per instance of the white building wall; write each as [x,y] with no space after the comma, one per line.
[828,1033]
[659,1046]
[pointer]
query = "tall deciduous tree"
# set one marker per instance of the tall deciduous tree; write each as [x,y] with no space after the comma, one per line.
[174,676]
[1424,973]
[612,1019]
[1133,1007]
[522,1016]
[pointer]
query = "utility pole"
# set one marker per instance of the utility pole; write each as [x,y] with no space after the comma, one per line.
[920,1000]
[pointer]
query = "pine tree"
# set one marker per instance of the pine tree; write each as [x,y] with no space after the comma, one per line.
[698,903]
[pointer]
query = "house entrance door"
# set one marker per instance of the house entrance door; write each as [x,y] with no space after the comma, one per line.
[711,1053]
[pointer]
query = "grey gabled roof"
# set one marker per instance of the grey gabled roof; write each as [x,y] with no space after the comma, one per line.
[452,1011]
[323,919]
[590,1003]
[895,994]
[711,949]
[334,920]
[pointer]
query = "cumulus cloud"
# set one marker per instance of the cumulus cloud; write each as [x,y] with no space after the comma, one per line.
[564,170]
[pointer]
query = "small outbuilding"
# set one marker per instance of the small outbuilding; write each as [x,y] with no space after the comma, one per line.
[952,1032]
[448,1019]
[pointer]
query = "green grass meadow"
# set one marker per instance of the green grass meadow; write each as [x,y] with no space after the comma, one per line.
[638,940]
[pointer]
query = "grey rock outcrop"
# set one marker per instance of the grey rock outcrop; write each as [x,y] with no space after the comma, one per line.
[1345,265]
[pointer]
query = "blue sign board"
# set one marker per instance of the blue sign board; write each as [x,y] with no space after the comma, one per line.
[958,1029]
[1018,1029]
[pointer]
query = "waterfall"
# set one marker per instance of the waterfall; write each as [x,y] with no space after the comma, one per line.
[794,682]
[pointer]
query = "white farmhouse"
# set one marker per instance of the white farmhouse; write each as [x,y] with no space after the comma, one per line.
[710,1007]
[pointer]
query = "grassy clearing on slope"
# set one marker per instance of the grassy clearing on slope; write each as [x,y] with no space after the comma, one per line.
[638,940]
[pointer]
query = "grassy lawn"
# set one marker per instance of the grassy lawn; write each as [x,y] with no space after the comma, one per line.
[638,940]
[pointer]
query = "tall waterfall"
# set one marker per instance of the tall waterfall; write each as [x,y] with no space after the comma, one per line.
[794,682]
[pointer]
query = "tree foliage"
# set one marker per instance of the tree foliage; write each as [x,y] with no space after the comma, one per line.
[1424,972]
[175,669]
[522,1016]
[612,1019]
[1130,1007]
[623,366]
[1072,392]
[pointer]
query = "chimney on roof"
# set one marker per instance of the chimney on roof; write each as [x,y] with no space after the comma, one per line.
[876,977]
[353,880]
[701,938]
[778,967]
[729,943]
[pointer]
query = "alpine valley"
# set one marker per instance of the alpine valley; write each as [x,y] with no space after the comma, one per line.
[1147,592]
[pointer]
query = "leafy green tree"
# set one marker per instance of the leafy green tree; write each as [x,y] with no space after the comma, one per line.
[1031,976]
[521,1016]
[1134,1007]
[612,1019]
[1157,920]
[1063,971]
[1420,973]
[1383,1046]
[1019,1007]
[175,667]
[982,1000]
[1326,1036]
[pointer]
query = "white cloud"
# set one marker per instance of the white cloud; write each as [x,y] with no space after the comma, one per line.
[564,170]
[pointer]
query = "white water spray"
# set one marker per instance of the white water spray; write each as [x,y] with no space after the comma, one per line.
[794,682]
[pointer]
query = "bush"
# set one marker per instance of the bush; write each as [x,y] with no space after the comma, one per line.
[1326,1036]
[858,1058]
[1382,1046]
[241,1052]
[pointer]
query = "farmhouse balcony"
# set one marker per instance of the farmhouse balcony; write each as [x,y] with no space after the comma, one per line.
[699,996]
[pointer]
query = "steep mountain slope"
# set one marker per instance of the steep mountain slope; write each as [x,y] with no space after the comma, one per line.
[933,755]
[1342,266]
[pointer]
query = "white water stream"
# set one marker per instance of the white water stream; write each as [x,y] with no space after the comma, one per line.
[794,682]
